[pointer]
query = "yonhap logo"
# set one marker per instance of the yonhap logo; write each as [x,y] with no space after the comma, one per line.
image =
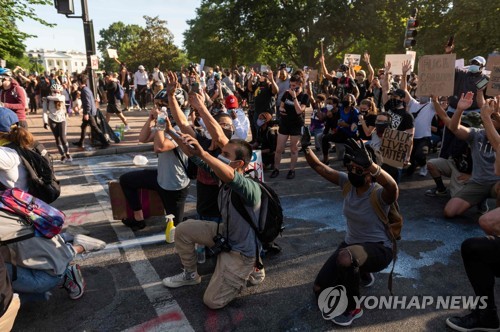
[333,302]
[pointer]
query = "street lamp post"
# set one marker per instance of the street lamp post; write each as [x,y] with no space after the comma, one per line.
[66,7]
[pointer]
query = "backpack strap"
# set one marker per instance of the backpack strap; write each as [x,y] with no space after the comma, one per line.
[238,204]
[177,154]
[385,220]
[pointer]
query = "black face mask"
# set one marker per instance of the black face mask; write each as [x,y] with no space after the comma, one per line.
[228,132]
[346,103]
[380,127]
[263,84]
[395,104]
[356,180]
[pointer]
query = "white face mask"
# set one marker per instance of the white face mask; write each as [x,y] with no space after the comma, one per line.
[329,107]
[339,74]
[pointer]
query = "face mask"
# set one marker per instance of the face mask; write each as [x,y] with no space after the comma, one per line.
[380,127]
[329,107]
[228,133]
[395,104]
[260,122]
[339,74]
[356,180]
[346,103]
[473,69]
[263,84]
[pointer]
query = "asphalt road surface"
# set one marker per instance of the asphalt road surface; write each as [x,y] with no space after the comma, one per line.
[124,290]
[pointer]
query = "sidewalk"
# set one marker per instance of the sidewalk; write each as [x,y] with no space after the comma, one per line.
[130,143]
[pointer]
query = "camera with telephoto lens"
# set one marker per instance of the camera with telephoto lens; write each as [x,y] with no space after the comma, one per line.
[221,245]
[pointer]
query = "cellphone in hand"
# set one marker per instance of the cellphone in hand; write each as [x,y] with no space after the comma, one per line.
[195,87]
[482,83]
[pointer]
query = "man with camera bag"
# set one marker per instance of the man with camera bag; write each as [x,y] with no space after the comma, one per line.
[233,239]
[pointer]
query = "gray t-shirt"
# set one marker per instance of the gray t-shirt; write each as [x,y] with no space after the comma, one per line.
[483,155]
[171,173]
[363,224]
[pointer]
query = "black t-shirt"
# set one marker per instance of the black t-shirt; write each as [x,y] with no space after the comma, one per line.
[344,85]
[263,98]
[401,120]
[370,122]
[292,118]
[363,90]
[110,92]
[267,139]
[331,123]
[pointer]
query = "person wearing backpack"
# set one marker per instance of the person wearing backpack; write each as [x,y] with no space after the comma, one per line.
[367,246]
[111,93]
[233,239]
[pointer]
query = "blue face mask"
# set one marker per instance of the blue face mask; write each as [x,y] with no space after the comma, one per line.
[473,69]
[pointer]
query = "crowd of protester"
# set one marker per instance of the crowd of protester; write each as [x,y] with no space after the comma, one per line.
[216,117]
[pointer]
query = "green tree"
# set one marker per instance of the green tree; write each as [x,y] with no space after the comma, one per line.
[11,37]
[121,37]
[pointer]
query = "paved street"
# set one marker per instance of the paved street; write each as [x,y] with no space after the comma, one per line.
[124,290]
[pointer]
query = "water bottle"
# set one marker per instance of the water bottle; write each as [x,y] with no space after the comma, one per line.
[122,131]
[170,229]
[161,120]
[200,253]
[118,132]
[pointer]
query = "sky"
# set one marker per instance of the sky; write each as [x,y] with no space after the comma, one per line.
[68,34]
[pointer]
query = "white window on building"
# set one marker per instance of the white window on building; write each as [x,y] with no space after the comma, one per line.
[58,63]
[82,64]
[66,63]
[50,63]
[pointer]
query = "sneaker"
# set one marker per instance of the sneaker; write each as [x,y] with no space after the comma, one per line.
[275,173]
[182,279]
[483,207]
[347,318]
[74,282]
[127,128]
[477,320]
[423,171]
[367,279]
[69,158]
[134,224]
[88,243]
[257,276]
[63,159]
[78,144]
[291,174]
[435,192]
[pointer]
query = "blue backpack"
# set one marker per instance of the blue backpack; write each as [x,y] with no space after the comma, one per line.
[119,92]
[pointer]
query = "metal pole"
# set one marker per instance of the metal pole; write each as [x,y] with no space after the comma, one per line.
[87,27]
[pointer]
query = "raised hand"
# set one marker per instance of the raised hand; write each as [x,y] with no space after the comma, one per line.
[465,100]
[406,65]
[356,152]
[366,57]
[172,83]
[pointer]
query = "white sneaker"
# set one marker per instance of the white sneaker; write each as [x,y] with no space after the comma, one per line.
[257,276]
[127,128]
[88,243]
[182,279]
[423,171]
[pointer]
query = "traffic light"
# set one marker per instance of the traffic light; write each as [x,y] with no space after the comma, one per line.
[411,31]
[64,7]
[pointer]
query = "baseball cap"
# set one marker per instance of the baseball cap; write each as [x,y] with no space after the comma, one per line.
[7,119]
[231,102]
[282,65]
[398,92]
[478,59]
[141,67]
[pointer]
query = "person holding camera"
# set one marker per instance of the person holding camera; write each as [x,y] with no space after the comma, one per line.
[233,239]
[367,247]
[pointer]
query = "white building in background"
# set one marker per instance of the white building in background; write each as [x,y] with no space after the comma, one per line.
[71,61]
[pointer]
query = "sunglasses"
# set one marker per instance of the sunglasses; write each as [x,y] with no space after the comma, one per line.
[354,169]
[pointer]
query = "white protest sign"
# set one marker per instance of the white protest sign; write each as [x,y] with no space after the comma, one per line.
[460,63]
[201,65]
[355,59]
[436,75]
[257,165]
[397,60]
[112,53]
[94,62]
[395,147]
[264,68]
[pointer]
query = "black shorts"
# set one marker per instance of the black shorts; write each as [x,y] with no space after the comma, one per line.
[113,109]
[290,129]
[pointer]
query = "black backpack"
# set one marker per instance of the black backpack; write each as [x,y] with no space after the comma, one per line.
[42,182]
[270,217]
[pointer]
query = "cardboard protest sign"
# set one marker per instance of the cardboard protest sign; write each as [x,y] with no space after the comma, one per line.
[436,75]
[493,60]
[395,147]
[112,53]
[355,59]
[94,61]
[313,75]
[257,165]
[460,63]
[493,88]
[413,56]
[397,60]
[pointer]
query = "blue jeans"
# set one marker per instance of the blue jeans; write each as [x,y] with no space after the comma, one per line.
[318,136]
[33,284]
[132,100]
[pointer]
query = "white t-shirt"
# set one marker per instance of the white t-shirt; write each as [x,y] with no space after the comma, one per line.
[424,119]
[13,174]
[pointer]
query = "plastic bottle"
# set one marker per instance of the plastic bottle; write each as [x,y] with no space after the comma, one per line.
[200,253]
[161,120]
[122,131]
[170,229]
[118,132]
[140,160]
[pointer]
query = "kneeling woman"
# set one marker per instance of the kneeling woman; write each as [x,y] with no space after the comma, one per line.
[367,246]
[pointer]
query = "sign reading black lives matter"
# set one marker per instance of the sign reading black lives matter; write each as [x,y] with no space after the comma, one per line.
[436,75]
[494,83]
[395,147]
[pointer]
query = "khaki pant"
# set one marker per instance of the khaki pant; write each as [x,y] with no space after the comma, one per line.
[157,87]
[232,269]
[8,318]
